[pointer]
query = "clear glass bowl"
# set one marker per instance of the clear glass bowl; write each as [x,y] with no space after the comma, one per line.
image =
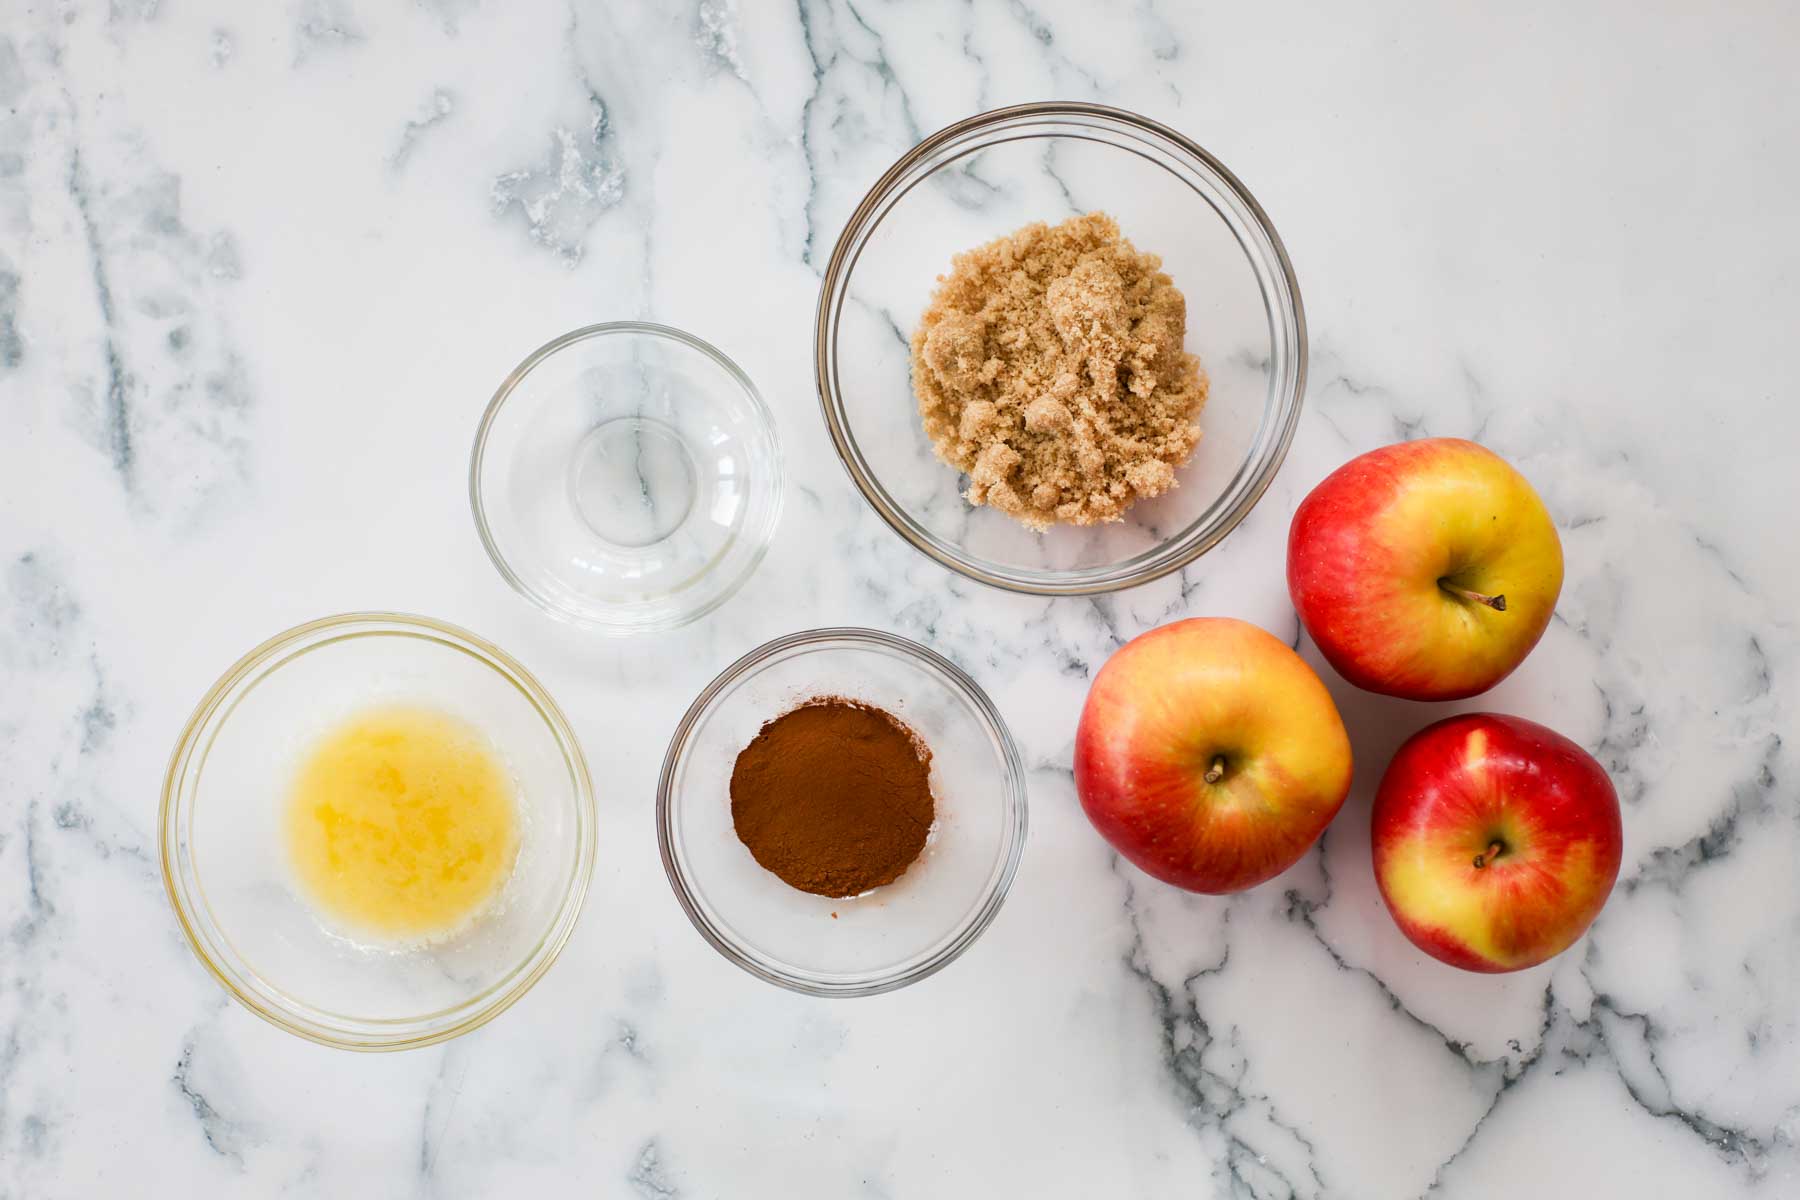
[626,478]
[894,935]
[982,178]
[224,858]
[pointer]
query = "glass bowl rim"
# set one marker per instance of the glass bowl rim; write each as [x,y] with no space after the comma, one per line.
[336,1030]
[763,536]
[986,908]
[1169,556]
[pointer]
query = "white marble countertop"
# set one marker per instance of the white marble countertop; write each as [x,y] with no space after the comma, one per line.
[262,265]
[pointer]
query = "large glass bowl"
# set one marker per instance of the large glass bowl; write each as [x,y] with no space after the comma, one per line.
[982,178]
[224,857]
[626,478]
[894,935]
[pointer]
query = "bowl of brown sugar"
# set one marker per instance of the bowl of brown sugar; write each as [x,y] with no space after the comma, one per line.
[1060,349]
[841,812]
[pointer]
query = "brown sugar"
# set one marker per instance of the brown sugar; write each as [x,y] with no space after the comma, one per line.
[834,797]
[1049,369]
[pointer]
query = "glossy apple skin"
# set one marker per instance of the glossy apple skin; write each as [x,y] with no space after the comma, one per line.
[1169,704]
[1369,546]
[1452,791]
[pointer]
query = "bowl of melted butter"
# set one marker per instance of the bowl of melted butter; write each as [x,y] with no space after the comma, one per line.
[377,831]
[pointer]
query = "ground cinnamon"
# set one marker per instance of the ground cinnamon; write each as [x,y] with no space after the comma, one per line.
[834,797]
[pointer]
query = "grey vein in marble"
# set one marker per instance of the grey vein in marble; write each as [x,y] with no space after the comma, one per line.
[1214,1098]
[220,1134]
[12,347]
[323,26]
[433,112]
[715,32]
[649,1177]
[574,187]
[116,413]
[852,84]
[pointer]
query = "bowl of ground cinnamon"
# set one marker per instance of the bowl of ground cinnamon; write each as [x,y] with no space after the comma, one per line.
[841,812]
[1060,349]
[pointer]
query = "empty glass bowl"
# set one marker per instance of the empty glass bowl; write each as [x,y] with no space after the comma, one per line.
[985,177]
[894,935]
[626,478]
[224,857]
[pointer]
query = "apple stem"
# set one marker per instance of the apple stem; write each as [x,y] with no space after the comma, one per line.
[1497,603]
[1216,772]
[1493,851]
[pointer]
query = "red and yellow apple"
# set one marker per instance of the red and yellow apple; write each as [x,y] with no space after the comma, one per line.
[1210,755]
[1496,841]
[1426,570]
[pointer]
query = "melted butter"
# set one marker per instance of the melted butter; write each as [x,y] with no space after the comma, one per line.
[402,822]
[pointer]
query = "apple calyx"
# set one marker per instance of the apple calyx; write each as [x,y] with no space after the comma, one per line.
[1497,603]
[1495,849]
